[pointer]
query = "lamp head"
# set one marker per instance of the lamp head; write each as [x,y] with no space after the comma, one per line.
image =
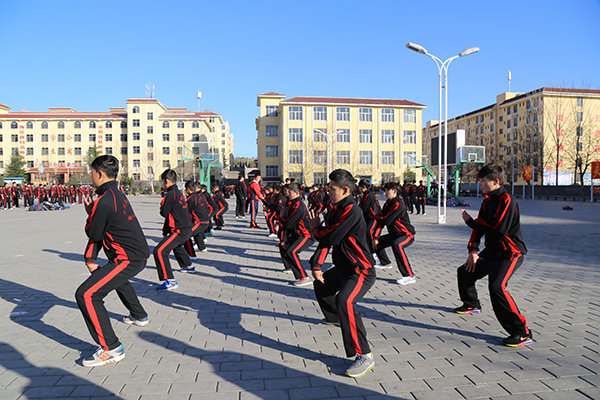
[416,47]
[468,51]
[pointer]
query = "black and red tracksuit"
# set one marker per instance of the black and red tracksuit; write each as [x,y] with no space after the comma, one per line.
[401,234]
[268,209]
[112,226]
[212,208]
[294,222]
[255,194]
[177,229]
[222,207]
[421,194]
[351,277]
[367,205]
[499,221]
[241,193]
[200,216]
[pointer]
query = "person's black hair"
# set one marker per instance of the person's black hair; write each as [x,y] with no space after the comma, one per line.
[170,175]
[277,188]
[203,187]
[107,164]
[391,185]
[294,186]
[240,177]
[342,178]
[364,183]
[216,185]
[492,172]
[190,185]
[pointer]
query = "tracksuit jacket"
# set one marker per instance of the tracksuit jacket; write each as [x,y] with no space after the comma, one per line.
[345,231]
[394,216]
[174,209]
[295,220]
[498,220]
[112,225]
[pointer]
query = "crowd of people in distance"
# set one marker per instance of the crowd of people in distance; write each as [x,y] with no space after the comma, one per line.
[10,195]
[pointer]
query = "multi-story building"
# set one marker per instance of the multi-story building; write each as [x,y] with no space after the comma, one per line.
[307,137]
[556,130]
[146,136]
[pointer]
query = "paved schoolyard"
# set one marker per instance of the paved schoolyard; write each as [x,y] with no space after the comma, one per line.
[238,330]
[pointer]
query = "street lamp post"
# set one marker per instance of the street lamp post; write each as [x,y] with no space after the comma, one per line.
[443,72]
[512,149]
[328,136]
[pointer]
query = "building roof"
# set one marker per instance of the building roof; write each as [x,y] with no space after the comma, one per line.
[5,107]
[479,111]
[273,94]
[62,115]
[352,101]
[550,90]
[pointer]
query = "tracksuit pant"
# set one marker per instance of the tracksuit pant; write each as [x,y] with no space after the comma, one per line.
[270,217]
[290,257]
[371,227]
[398,244]
[198,236]
[499,271]
[91,293]
[172,242]
[239,207]
[337,298]
[219,221]
[253,212]
[421,205]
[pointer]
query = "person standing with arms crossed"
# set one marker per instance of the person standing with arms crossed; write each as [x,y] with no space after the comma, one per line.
[504,252]
[241,193]
[255,194]
[112,225]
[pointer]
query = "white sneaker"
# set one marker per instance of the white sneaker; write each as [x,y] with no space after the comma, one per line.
[101,357]
[303,282]
[379,266]
[272,235]
[406,280]
[204,250]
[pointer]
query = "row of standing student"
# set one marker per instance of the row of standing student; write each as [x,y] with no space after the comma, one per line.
[10,195]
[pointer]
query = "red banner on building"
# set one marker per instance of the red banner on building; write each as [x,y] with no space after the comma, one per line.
[528,172]
[596,170]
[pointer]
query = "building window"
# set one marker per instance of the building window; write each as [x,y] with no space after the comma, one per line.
[195,137]
[29,151]
[135,123]
[60,137]
[150,143]
[271,130]
[365,136]
[44,151]
[343,157]
[29,164]
[319,135]
[387,136]
[136,163]
[109,151]
[410,116]
[295,157]
[123,137]
[515,108]
[44,124]
[136,135]
[295,113]
[527,105]
[166,164]
[272,112]
[319,178]
[579,147]
[579,117]
[476,120]
[92,137]
[272,171]
[580,102]
[14,152]
[320,113]
[295,135]
[515,121]
[410,158]
[150,156]
[410,137]
[166,150]
[44,138]
[150,116]
[123,124]
[165,124]
[61,151]
[342,113]
[124,151]
[365,157]
[180,124]
[387,115]
[29,125]
[343,135]
[136,149]
[77,125]
[77,151]
[320,157]
[30,138]
[271,151]
[135,110]
[365,114]
[1,164]
[15,125]
[92,125]
[387,157]
[166,137]
[388,177]
[508,122]
[180,137]
[108,125]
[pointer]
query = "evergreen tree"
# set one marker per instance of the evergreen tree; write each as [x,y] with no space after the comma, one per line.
[16,168]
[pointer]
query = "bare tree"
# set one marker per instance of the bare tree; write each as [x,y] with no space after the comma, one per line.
[558,125]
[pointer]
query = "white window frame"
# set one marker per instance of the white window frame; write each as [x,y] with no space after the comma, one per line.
[294,134]
[365,114]
[319,113]
[271,150]
[295,157]
[342,113]
[365,157]
[272,131]
[387,115]
[409,137]
[343,136]
[271,171]
[295,113]
[365,136]
[387,157]
[410,115]
[387,136]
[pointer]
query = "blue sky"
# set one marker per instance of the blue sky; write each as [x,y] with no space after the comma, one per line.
[95,55]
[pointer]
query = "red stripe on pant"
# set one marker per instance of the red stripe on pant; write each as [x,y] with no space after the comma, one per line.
[296,259]
[404,258]
[252,213]
[509,299]
[350,308]
[160,252]
[89,305]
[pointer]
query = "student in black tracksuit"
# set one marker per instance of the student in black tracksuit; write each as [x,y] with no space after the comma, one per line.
[199,214]
[504,251]
[241,194]
[112,225]
[401,233]
[341,287]
[177,229]
[421,194]
[369,208]
[294,221]
[222,207]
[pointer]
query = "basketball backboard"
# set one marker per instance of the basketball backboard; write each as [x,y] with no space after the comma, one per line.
[471,154]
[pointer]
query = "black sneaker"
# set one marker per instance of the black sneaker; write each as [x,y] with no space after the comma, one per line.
[518,340]
[331,323]
[464,309]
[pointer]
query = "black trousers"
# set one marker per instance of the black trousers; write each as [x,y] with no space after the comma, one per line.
[290,257]
[371,227]
[337,298]
[172,242]
[239,206]
[219,221]
[398,244]
[499,271]
[421,205]
[91,293]
[198,236]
